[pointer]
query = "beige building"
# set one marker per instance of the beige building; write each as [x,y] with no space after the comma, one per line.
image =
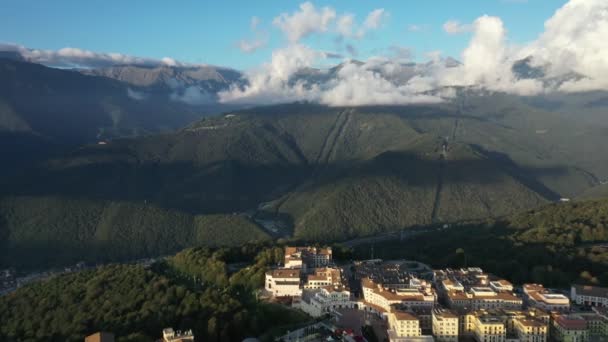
[537,296]
[283,283]
[378,296]
[489,328]
[530,330]
[307,257]
[478,298]
[444,325]
[403,324]
[323,277]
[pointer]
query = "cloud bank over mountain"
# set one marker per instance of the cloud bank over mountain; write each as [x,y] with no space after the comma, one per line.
[70,57]
[570,55]
[570,52]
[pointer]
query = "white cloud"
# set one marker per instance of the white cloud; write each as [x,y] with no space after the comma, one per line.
[345,25]
[305,21]
[136,95]
[250,46]
[193,95]
[270,83]
[359,85]
[75,57]
[456,27]
[575,40]
[374,19]
[259,41]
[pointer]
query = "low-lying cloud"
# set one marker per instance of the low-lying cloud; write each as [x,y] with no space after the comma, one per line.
[70,57]
[571,52]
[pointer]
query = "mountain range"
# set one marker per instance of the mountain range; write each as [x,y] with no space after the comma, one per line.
[299,170]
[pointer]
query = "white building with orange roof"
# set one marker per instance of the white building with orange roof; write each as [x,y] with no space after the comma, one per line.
[323,277]
[501,285]
[321,301]
[539,297]
[307,257]
[283,283]
[378,296]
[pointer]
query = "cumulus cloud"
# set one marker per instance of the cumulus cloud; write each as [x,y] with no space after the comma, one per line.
[374,18]
[574,41]
[456,27]
[358,85]
[70,57]
[345,25]
[259,41]
[270,83]
[307,20]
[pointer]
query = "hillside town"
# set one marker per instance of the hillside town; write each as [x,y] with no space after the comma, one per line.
[400,301]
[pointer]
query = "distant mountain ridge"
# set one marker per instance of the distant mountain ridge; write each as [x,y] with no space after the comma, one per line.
[209,78]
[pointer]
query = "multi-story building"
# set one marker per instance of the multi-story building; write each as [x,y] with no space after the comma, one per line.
[537,296]
[478,298]
[403,324]
[445,325]
[530,330]
[569,328]
[307,257]
[589,295]
[283,283]
[170,335]
[383,298]
[323,277]
[318,302]
[488,327]
[501,285]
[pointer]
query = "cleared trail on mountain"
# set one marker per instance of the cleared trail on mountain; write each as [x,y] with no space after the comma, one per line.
[443,163]
[326,153]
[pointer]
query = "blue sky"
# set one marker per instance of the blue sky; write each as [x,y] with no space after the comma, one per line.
[209,31]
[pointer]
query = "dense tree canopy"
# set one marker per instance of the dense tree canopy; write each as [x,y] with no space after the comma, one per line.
[191,290]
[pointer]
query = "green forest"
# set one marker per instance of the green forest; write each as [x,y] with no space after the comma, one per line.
[190,290]
[554,245]
[39,232]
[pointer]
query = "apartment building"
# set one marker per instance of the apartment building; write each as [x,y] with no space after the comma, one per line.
[307,257]
[530,330]
[444,325]
[403,324]
[477,298]
[589,295]
[488,327]
[383,298]
[568,328]
[283,283]
[318,302]
[323,277]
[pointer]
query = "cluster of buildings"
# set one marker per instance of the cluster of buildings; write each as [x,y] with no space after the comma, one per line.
[169,335]
[446,305]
